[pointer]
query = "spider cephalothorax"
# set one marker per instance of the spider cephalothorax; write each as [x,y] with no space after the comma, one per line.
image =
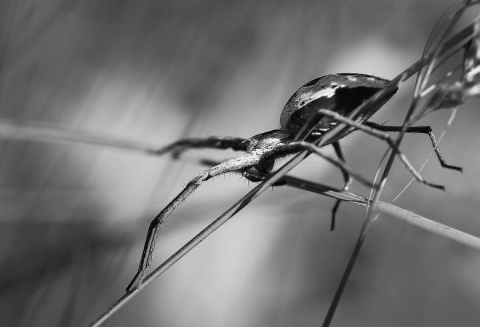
[313,110]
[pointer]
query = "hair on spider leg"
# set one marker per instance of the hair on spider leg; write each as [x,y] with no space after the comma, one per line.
[313,110]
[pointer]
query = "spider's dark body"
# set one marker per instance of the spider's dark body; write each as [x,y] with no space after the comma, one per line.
[340,93]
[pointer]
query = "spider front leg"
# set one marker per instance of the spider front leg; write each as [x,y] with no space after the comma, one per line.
[214,142]
[239,163]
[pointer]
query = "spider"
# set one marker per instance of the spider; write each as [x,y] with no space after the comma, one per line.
[314,109]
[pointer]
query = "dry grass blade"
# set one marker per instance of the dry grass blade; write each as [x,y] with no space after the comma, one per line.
[11,130]
[461,37]
[382,207]
[429,58]
[442,94]
[34,131]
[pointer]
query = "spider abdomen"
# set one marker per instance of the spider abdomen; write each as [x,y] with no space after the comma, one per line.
[341,93]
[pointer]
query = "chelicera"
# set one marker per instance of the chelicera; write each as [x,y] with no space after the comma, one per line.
[313,110]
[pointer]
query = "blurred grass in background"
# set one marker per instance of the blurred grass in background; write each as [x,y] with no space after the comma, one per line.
[73,217]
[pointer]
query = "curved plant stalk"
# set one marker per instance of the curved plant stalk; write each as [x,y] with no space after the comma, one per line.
[429,58]
[35,131]
[456,41]
[382,207]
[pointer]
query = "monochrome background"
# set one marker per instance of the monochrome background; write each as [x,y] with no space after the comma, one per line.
[74,217]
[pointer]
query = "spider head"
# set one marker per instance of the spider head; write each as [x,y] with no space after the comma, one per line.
[341,93]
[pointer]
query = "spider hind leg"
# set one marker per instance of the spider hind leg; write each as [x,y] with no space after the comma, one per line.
[422,129]
[385,137]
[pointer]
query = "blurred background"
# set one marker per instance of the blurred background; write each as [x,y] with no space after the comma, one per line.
[74,217]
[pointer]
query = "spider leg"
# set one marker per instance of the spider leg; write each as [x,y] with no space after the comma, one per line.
[340,163]
[296,146]
[241,162]
[383,136]
[215,142]
[347,179]
[422,129]
[346,176]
